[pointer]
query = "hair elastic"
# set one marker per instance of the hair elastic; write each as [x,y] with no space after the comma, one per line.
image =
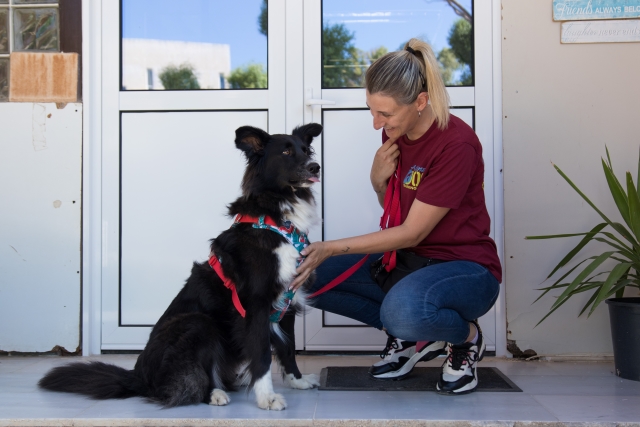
[410,50]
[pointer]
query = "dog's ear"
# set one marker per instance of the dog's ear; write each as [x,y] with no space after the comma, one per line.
[307,132]
[251,140]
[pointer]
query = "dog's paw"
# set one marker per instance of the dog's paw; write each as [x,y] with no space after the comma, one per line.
[219,397]
[271,401]
[304,383]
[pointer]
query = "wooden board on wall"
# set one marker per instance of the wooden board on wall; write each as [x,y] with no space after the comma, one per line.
[43,77]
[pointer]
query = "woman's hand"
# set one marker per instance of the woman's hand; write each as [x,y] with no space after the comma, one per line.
[315,254]
[384,165]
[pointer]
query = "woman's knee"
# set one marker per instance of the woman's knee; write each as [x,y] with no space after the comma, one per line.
[394,309]
[407,317]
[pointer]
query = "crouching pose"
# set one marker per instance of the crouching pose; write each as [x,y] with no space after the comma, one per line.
[440,270]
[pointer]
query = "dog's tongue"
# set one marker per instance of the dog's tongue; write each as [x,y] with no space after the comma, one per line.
[314,179]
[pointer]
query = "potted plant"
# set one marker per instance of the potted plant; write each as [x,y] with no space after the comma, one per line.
[623,252]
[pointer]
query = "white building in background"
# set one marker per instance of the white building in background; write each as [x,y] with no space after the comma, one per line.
[144,59]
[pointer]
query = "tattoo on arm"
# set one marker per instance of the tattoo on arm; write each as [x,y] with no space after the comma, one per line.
[346,250]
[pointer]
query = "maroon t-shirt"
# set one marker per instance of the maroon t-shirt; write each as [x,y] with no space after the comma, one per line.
[445,168]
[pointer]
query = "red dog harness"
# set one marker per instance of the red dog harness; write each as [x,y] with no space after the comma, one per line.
[215,264]
[288,231]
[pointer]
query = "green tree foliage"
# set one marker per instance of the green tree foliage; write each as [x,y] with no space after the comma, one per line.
[263,18]
[460,40]
[343,64]
[448,65]
[456,61]
[251,76]
[181,77]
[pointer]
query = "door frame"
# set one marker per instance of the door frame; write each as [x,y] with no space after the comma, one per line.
[94,236]
[281,99]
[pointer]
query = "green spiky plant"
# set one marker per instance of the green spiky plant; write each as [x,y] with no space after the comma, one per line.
[624,248]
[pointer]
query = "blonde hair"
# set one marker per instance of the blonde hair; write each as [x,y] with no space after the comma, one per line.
[404,74]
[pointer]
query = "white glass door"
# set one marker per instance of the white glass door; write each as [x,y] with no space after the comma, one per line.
[177,79]
[341,39]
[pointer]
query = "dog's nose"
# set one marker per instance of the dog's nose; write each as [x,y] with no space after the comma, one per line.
[314,168]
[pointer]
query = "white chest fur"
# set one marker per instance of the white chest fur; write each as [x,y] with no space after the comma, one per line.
[303,215]
[287,259]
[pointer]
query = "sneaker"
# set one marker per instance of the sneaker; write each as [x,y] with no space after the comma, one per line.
[399,357]
[459,371]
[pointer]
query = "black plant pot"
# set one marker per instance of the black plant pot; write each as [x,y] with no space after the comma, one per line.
[624,314]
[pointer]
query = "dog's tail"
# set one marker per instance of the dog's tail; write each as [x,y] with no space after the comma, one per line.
[95,379]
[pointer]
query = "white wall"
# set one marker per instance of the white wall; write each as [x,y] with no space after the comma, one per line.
[40,206]
[562,104]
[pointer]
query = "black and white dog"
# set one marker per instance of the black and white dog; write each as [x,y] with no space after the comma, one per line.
[210,339]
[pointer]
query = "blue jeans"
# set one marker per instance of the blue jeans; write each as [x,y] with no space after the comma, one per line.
[434,303]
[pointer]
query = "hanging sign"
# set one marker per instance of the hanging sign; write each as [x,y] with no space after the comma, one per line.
[577,10]
[627,30]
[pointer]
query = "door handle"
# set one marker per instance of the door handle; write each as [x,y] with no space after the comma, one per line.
[311,101]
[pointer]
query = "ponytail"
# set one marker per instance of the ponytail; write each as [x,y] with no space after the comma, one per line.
[404,74]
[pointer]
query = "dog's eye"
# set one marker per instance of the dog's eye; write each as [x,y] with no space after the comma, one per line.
[287,152]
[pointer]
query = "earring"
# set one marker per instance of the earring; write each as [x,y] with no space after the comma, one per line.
[419,113]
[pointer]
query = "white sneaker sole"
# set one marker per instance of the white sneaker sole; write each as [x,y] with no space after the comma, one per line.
[468,388]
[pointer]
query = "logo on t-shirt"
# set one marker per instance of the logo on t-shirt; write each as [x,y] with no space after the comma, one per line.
[413,178]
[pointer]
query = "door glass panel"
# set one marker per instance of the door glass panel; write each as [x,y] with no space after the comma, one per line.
[194,44]
[357,32]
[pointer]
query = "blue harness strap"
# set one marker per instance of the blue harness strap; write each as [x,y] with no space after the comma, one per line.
[298,239]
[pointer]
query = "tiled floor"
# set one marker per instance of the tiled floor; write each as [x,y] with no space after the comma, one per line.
[553,393]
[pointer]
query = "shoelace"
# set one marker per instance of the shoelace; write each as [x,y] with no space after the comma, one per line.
[392,343]
[459,356]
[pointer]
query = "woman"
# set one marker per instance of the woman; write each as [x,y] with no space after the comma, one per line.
[442,218]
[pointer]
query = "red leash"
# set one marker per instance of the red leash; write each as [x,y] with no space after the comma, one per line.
[341,278]
[390,218]
[391,215]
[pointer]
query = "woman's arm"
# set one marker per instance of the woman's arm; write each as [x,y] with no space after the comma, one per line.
[422,218]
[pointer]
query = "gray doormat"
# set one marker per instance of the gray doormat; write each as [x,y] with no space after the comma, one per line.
[420,379]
